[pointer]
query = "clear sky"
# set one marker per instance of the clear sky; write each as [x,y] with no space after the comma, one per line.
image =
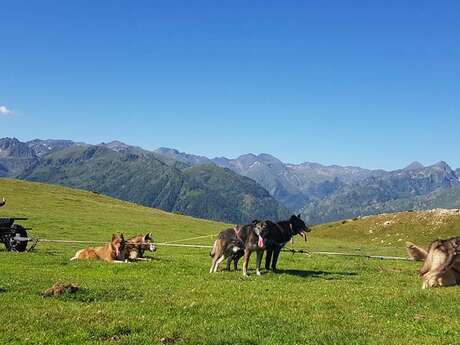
[368,83]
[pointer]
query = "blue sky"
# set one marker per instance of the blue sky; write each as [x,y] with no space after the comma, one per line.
[368,83]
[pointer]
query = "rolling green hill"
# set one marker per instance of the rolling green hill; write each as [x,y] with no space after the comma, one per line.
[174,300]
[59,212]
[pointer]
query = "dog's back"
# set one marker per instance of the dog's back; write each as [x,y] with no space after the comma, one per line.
[110,252]
[97,253]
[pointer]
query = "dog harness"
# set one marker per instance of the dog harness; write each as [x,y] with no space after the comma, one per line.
[237,230]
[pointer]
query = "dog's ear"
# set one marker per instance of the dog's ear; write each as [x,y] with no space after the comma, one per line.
[299,216]
[147,237]
[255,221]
[114,236]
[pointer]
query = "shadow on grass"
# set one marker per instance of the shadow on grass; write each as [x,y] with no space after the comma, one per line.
[317,274]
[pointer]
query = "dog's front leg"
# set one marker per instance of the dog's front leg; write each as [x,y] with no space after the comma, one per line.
[229,261]
[260,254]
[214,260]
[247,255]
[276,254]
[218,262]
[120,262]
[268,259]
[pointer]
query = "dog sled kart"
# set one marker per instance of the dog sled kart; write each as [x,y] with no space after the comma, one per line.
[13,236]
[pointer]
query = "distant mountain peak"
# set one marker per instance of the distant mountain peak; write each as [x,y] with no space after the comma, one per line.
[442,165]
[182,156]
[116,145]
[167,150]
[266,156]
[116,142]
[414,166]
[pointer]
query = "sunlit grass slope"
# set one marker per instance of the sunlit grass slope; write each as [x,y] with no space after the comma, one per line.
[174,300]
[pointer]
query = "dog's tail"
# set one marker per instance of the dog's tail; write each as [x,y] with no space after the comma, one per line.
[77,256]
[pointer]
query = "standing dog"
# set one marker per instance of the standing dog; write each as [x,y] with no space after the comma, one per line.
[114,251]
[441,262]
[254,241]
[240,241]
[226,246]
[137,245]
[281,233]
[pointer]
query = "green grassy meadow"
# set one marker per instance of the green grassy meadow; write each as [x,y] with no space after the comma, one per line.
[174,300]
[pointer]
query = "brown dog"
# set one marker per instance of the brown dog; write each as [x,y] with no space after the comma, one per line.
[226,246]
[240,241]
[114,251]
[441,262]
[137,245]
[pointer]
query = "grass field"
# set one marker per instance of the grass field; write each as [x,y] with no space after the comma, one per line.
[174,300]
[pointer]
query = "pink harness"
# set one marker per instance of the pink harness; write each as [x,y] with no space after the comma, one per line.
[237,231]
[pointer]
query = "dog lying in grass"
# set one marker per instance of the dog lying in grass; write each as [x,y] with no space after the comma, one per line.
[114,251]
[137,245]
[242,240]
[441,262]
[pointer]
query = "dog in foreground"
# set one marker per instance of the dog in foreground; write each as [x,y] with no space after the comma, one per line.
[118,250]
[441,262]
[240,241]
[258,236]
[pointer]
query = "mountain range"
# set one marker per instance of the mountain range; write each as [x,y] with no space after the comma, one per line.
[327,193]
[133,174]
[234,190]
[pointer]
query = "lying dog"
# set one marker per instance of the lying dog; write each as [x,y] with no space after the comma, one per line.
[137,245]
[242,240]
[441,262]
[281,233]
[114,251]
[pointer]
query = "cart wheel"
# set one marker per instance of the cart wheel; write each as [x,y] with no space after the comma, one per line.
[13,245]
